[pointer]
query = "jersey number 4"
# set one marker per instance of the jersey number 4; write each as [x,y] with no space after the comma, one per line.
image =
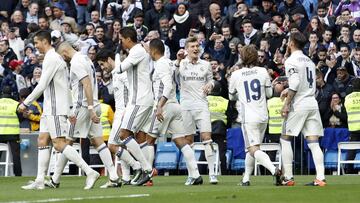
[309,77]
[252,91]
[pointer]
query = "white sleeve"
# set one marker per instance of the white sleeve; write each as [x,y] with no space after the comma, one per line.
[165,75]
[293,76]
[135,56]
[268,87]
[232,88]
[48,73]
[79,70]
[209,77]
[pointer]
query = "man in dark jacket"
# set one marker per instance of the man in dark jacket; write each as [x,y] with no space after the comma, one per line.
[153,15]
[8,55]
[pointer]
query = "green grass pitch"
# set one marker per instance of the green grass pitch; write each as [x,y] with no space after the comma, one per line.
[171,189]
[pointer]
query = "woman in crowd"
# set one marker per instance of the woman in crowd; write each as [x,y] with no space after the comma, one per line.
[336,115]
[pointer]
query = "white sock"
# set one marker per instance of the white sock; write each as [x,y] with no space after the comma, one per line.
[145,150]
[210,158]
[43,163]
[125,169]
[249,167]
[125,156]
[75,157]
[286,158]
[151,154]
[59,168]
[135,150]
[265,161]
[318,158]
[190,160]
[105,157]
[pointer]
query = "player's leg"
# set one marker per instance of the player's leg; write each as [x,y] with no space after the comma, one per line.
[59,168]
[249,168]
[44,150]
[312,130]
[146,148]
[254,134]
[133,120]
[202,119]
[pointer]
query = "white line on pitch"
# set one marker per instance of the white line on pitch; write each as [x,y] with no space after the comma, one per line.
[82,198]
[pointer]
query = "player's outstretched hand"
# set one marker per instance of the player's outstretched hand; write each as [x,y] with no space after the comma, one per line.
[94,117]
[159,114]
[21,108]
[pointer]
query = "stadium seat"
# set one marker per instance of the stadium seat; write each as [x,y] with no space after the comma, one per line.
[235,143]
[269,147]
[54,157]
[357,158]
[5,148]
[167,156]
[331,159]
[346,146]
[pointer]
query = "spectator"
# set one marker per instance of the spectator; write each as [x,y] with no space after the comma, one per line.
[44,24]
[325,19]
[355,62]
[49,13]
[29,49]
[299,18]
[95,19]
[164,28]
[353,7]
[344,37]
[316,26]
[344,60]
[59,17]
[23,6]
[29,66]
[313,44]
[7,53]
[16,43]
[153,15]
[250,34]
[355,39]
[32,16]
[139,26]
[10,135]
[336,115]
[243,14]
[323,95]
[90,29]
[67,33]
[4,29]
[327,37]
[102,41]
[128,12]
[181,25]
[35,81]
[217,47]
[30,118]
[32,28]
[82,13]
[214,22]
[275,37]
[17,20]
[290,7]
[342,84]
[114,32]
[14,79]
[266,10]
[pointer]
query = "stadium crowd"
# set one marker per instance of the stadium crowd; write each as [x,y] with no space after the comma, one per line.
[221,27]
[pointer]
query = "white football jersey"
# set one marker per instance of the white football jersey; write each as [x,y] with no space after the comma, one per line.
[163,80]
[54,85]
[81,66]
[300,71]
[121,92]
[136,64]
[251,86]
[193,77]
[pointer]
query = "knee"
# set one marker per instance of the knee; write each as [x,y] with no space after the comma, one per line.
[180,142]
[124,134]
[113,148]
[206,136]
[253,149]
[43,140]
[59,144]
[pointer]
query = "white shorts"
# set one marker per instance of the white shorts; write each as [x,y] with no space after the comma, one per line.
[253,133]
[56,126]
[308,122]
[135,119]
[172,123]
[115,129]
[84,127]
[196,118]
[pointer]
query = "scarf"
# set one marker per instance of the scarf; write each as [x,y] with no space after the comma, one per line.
[180,19]
[248,38]
[126,14]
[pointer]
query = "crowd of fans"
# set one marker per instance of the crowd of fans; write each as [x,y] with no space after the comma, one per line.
[222,28]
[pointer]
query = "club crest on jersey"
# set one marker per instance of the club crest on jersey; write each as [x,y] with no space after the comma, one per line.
[292,71]
[202,68]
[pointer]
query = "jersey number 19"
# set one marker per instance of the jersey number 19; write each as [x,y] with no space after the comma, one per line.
[254,91]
